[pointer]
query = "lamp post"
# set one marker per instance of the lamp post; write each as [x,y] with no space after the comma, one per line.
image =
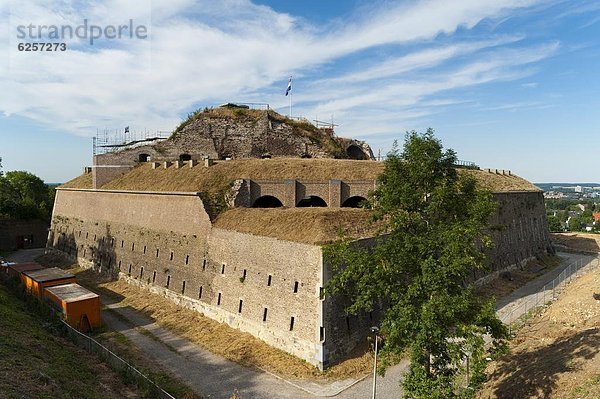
[375,331]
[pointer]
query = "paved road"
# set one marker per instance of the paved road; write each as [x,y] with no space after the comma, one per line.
[216,377]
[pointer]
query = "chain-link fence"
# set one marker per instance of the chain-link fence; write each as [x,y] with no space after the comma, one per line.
[550,290]
[126,370]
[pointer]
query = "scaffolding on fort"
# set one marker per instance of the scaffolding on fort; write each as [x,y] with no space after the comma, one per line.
[113,140]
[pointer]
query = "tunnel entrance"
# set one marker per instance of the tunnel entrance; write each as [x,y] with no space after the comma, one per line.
[267,201]
[311,202]
[353,202]
[355,152]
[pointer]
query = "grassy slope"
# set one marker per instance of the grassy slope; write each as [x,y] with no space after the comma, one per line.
[34,363]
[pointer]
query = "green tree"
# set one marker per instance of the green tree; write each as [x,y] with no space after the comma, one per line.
[24,196]
[433,238]
[554,224]
[575,223]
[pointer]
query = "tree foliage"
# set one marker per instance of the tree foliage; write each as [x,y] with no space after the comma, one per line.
[421,265]
[554,224]
[24,196]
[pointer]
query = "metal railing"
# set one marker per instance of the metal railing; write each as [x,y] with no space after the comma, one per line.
[116,363]
[549,291]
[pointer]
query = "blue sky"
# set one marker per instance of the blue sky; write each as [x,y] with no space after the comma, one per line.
[509,84]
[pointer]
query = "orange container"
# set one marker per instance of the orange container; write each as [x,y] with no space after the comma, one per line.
[79,306]
[18,268]
[36,280]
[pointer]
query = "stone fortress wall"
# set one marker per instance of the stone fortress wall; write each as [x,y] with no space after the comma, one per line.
[265,286]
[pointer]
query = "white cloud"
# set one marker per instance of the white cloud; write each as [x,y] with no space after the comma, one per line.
[210,52]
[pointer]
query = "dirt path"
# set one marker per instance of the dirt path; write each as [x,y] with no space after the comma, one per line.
[520,301]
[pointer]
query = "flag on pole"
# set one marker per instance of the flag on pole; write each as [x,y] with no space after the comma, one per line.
[289,87]
[126,129]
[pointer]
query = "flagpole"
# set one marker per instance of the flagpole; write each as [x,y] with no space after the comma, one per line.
[291,103]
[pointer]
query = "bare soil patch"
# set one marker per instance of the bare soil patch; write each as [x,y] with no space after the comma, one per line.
[557,353]
[587,242]
[516,278]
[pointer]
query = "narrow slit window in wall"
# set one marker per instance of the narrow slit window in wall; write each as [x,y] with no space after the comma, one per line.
[219,299]
[292,323]
[168,281]
[269,280]
[183,287]
[240,306]
[200,293]
[154,277]
[296,284]
[265,311]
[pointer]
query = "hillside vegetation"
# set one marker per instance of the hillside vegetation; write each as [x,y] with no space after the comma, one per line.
[35,363]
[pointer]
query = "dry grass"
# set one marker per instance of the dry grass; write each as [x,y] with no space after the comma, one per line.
[216,337]
[499,183]
[200,178]
[307,225]
[578,241]
[557,355]
[82,181]
[500,287]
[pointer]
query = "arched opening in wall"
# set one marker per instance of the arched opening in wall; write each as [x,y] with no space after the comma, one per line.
[185,157]
[267,201]
[305,155]
[226,157]
[144,158]
[311,202]
[353,202]
[355,152]
[266,156]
